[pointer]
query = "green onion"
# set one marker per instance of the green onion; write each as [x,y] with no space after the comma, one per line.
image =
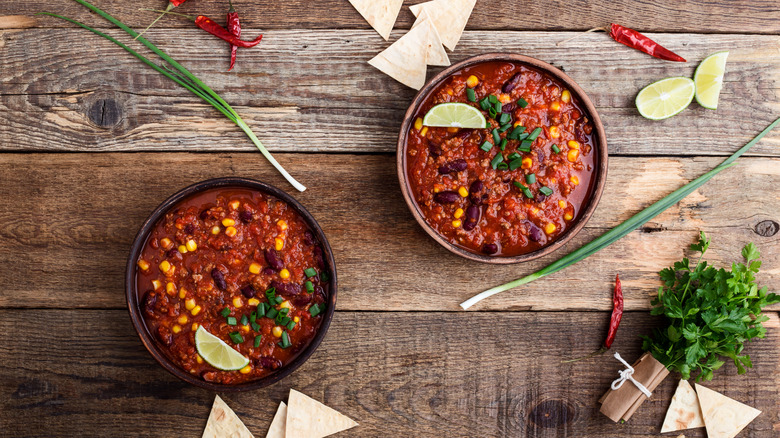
[261,309]
[177,73]
[258,338]
[497,108]
[225,312]
[485,104]
[527,192]
[492,99]
[492,112]
[546,191]
[556,149]
[284,311]
[514,164]
[502,166]
[522,136]
[310,272]
[522,103]
[255,326]
[534,134]
[315,310]
[309,286]
[513,156]
[291,325]
[504,118]
[285,343]
[502,145]
[525,146]
[324,277]
[518,184]
[471,95]
[236,337]
[497,159]
[253,317]
[504,127]
[231,320]
[624,228]
[496,137]
[515,133]
[486,146]
[530,178]
[244,320]
[271,313]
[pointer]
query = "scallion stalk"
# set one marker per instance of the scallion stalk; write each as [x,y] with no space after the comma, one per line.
[624,228]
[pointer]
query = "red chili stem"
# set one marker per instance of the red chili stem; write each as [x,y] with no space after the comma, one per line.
[617,313]
[234,26]
[636,40]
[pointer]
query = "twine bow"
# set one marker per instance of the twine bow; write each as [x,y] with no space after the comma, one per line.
[627,374]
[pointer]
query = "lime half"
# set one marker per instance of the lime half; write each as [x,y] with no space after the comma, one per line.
[217,353]
[458,115]
[709,79]
[665,98]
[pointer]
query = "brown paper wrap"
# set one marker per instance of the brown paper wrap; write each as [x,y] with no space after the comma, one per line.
[621,404]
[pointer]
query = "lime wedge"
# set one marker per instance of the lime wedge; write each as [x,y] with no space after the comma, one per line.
[458,115]
[665,98]
[217,353]
[709,79]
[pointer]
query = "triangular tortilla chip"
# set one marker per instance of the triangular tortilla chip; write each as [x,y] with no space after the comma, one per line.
[224,423]
[404,60]
[380,14]
[277,428]
[435,53]
[449,17]
[308,418]
[684,412]
[723,417]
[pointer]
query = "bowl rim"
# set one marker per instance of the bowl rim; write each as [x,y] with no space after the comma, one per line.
[600,166]
[132,299]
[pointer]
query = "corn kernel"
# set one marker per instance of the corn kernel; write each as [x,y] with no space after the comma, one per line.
[246,369]
[235,204]
[277,331]
[282,224]
[279,243]
[166,243]
[143,264]
[527,163]
[284,273]
[215,230]
[156,284]
[254,268]
[195,327]
[504,98]
[453,129]
[472,81]
[549,228]
[195,310]
[456,223]
[573,144]
[170,288]
[296,319]
[165,266]
[437,188]
[562,203]
[555,106]
[253,302]
[228,222]
[237,302]
[176,328]
[189,304]
[231,231]
[534,210]
[182,249]
[244,328]
[418,124]
[574,180]
[198,358]
[555,132]
[566,96]
[285,305]
[450,92]
[182,293]
[191,245]
[568,216]
[517,123]
[458,213]
[183,319]
[463,192]
[424,131]
[573,155]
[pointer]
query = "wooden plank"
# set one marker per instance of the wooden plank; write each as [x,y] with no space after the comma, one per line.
[94,376]
[748,16]
[326,98]
[70,218]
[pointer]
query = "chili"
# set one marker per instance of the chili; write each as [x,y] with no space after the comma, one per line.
[215,29]
[636,40]
[614,322]
[234,26]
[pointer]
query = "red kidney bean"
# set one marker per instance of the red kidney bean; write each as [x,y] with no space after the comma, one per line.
[288,289]
[318,258]
[173,253]
[319,292]
[164,335]
[204,214]
[457,165]
[582,129]
[475,192]
[301,300]
[447,197]
[540,197]
[434,150]
[472,217]
[534,233]
[490,248]
[308,238]
[245,216]
[464,133]
[273,259]
[248,291]
[219,279]
[269,271]
[511,83]
[508,107]
[268,363]
[150,299]
[189,229]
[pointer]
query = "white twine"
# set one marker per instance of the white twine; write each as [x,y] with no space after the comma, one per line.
[627,375]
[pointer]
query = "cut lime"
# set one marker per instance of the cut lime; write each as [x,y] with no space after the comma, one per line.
[665,98]
[217,353]
[457,115]
[709,79]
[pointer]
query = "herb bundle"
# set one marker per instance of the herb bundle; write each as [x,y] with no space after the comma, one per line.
[711,314]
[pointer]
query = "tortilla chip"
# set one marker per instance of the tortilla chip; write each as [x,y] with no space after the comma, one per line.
[277,428]
[380,14]
[684,412]
[308,418]
[723,417]
[435,53]
[404,60]
[224,423]
[449,17]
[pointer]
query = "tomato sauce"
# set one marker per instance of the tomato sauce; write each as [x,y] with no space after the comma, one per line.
[217,259]
[512,201]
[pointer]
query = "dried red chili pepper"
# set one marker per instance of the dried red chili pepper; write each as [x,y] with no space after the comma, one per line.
[636,40]
[614,322]
[215,29]
[234,26]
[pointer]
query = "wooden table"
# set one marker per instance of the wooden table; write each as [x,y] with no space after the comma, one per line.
[92,141]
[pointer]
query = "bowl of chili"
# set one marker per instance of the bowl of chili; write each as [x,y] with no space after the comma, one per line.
[243,260]
[518,189]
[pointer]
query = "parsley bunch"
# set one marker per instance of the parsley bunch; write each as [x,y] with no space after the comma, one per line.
[711,313]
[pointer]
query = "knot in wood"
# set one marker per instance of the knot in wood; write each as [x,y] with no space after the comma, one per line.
[767,228]
[551,413]
[105,113]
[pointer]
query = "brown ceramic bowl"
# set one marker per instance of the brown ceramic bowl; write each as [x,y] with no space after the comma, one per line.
[132,296]
[600,170]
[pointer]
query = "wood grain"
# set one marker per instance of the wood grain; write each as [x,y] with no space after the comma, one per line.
[66,233]
[307,91]
[411,374]
[748,16]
